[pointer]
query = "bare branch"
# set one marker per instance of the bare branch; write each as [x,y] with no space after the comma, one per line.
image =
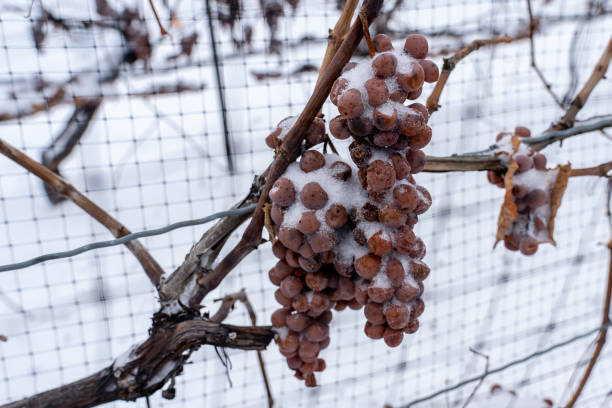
[451,63]
[484,374]
[55,182]
[601,170]
[567,121]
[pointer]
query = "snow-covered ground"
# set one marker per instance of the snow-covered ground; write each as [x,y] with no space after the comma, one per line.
[158,160]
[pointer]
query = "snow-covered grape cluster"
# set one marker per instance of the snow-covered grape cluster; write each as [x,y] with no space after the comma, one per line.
[532,184]
[345,231]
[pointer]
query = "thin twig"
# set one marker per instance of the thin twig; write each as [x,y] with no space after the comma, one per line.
[366,34]
[567,121]
[601,170]
[149,264]
[162,30]
[533,25]
[450,64]
[605,314]
[288,152]
[485,373]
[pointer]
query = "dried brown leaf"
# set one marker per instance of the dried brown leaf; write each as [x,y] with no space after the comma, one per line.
[508,212]
[556,197]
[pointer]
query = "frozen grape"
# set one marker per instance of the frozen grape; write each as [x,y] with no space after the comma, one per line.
[289,343]
[309,264]
[380,294]
[325,318]
[412,327]
[308,350]
[359,236]
[399,95]
[291,238]
[272,138]
[380,176]
[276,213]
[350,103]
[349,65]
[345,290]
[308,223]
[338,87]
[539,224]
[316,132]
[524,162]
[279,316]
[536,198]
[367,266]
[495,178]
[420,138]
[384,65]
[419,270]
[411,80]
[361,291]
[282,192]
[383,119]
[294,363]
[395,272]
[385,139]
[311,160]
[418,307]
[322,241]
[418,249]
[319,303]
[316,281]
[404,239]
[512,242]
[424,200]
[393,338]
[522,131]
[420,108]
[279,250]
[416,45]
[528,246]
[336,216]
[291,286]
[338,127]
[282,299]
[416,159]
[292,258]
[360,153]
[343,267]
[360,126]
[306,250]
[340,171]
[411,124]
[296,322]
[406,197]
[313,196]
[301,304]
[519,190]
[402,143]
[317,331]
[412,95]
[374,331]
[369,212]
[539,161]
[362,175]
[391,216]
[397,316]
[374,313]
[401,166]
[432,73]
[380,244]
[406,292]
[377,91]
[382,43]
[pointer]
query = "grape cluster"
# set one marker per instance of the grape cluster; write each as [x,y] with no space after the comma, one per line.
[532,183]
[345,231]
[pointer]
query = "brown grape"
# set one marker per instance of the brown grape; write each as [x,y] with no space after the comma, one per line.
[404,239]
[416,45]
[420,108]
[416,159]
[369,212]
[336,216]
[411,124]
[420,138]
[406,292]
[279,316]
[399,96]
[424,200]
[395,272]
[536,198]
[377,91]
[349,65]
[539,161]
[379,244]
[384,65]
[367,266]
[402,143]
[539,224]
[393,338]
[276,213]
[294,363]
[300,304]
[359,236]
[306,250]
[308,223]
[340,171]
[282,192]
[279,250]
[313,196]
[290,238]
[338,127]
[380,176]
[323,241]
[419,270]
[411,80]
[317,331]
[524,162]
[374,331]
[282,299]
[495,178]
[317,281]
[522,131]
[385,139]
[350,104]
[316,132]
[292,258]
[412,95]
[319,303]
[380,294]
[391,216]
[384,120]
[311,160]
[374,313]
[326,317]
[401,166]
[382,43]
[361,291]
[418,307]
[406,197]
[296,322]
[338,87]
[528,246]
[432,73]
[309,264]
[291,286]
[272,138]
[308,350]
[519,190]
[361,153]
[290,342]
[360,126]
[397,316]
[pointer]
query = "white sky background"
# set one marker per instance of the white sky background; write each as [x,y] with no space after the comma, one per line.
[154,161]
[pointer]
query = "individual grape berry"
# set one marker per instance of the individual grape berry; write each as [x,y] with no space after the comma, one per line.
[311,160]
[309,264]
[282,299]
[374,313]
[393,338]
[292,259]
[338,127]
[432,73]
[539,224]
[384,118]
[323,241]
[290,238]
[391,216]
[420,108]
[308,350]
[380,294]
[536,198]
[367,266]
[345,290]
[384,65]
[522,131]
[282,270]
[404,239]
[294,363]
[374,331]
[397,316]
[406,292]
[495,178]
[276,213]
[402,143]
[289,342]
[350,104]
[336,216]
[325,317]
[399,96]
[385,139]
[279,316]
[282,192]
[301,304]
[406,197]
[412,327]
[512,242]
[359,236]
[361,291]
[524,162]
[316,132]
[291,286]
[539,161]
[319,303]
[317,331]
[380,244]
[411,80]
[313,196]
[416,45]
[419,270]
[360,153]
[296,322]
[412,95]
[369,212]
[317,281]
[424,200]
[519,190]
[360,126]
[279,250]
[395,272]
[382,43]
[272,138]
[308,223]
[340,171]
[377,91]
[420,138]
[411,124]
[380,176]
[401,166]
[338,87]
[349,65]
[306,251]
[418,307]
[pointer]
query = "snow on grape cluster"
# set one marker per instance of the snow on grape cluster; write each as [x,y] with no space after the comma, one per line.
[532,184]
[345,231]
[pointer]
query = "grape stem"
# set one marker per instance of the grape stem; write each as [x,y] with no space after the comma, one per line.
[605,318]
[450,64]
[366,33]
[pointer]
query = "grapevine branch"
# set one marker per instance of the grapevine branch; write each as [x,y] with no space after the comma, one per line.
[287,153]
[605,315]
[567,121]
[450,63]
[62,187]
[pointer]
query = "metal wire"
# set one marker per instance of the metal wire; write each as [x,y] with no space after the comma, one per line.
[126,238]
